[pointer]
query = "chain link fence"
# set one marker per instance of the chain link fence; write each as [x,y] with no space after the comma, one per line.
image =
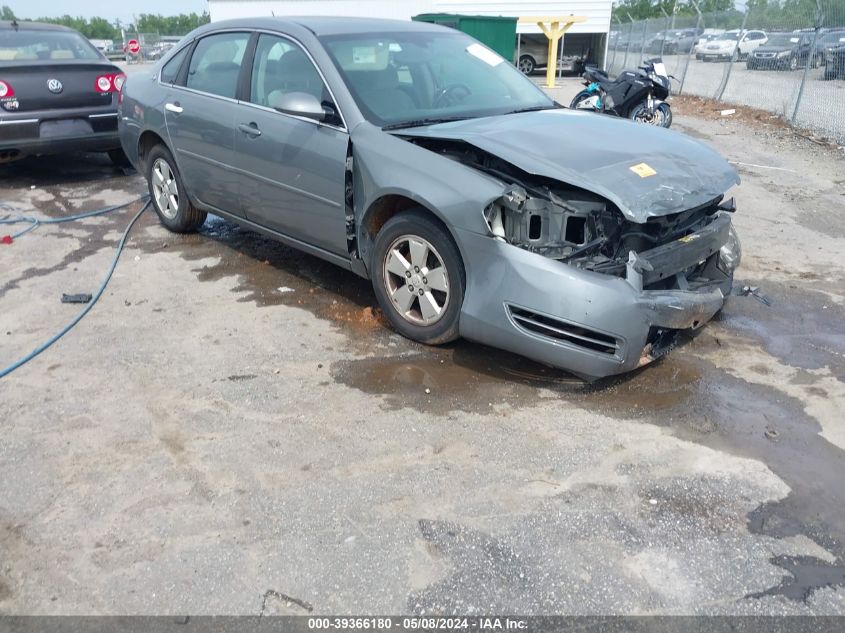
[785,62]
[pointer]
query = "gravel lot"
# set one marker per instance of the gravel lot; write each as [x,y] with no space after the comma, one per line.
[234,430]
[822,105]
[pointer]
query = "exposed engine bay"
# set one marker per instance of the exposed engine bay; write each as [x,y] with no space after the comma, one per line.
[583,229]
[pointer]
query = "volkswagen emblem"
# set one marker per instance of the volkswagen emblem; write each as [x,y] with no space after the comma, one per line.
[54,86]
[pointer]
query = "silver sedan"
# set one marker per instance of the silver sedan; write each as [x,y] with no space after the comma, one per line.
[418,158]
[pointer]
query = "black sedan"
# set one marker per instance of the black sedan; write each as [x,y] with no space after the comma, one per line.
[834,66]
[57,93]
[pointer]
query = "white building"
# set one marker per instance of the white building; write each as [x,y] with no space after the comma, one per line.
[588,38]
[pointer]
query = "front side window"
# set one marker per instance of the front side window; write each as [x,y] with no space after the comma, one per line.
[281,67]
[216,64]
[405,76]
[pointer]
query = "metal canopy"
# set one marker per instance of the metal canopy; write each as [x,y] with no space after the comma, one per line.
[553,27]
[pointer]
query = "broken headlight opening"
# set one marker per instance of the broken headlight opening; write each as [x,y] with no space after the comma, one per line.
[731,253]
[687,250]
[583,230]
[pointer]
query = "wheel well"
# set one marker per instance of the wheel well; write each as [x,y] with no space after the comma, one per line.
[380,212]
[147,141]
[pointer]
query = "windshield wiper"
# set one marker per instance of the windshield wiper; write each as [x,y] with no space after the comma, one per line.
[535,108]
[421,122]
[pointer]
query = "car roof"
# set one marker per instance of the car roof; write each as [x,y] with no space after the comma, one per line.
[326,25]
[34,26]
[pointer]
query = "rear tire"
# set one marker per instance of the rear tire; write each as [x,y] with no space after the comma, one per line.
[415,254]
[579,98]
[527,64]
[169,198]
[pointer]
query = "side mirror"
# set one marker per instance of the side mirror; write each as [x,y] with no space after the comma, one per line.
[299,104]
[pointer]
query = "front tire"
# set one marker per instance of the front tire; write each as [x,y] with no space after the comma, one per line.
[657,117]
[527,64]
[419,278]
[666,113]
[168,194]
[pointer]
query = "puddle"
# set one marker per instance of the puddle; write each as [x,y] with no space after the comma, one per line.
[271,274]
[682,392]
[806,575]
[803,328]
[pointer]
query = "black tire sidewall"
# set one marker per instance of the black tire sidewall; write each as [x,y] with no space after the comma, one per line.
[179,222]
[530,60]
[579,97]
[421,223]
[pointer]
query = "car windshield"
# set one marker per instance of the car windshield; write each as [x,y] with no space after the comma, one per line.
[35,45]
[782,39]
[729,36]
[422,76]
[834,38]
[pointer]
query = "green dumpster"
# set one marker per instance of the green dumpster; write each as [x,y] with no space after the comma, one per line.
[497,32]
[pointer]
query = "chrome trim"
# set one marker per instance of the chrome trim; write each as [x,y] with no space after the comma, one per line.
[293,116]
[344,128]
[102,116]
[17,121]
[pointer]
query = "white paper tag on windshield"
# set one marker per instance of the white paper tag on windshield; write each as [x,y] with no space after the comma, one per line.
[363,55]
[660,69]
[484,54]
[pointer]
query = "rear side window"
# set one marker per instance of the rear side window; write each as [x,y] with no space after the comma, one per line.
[216,63]
[171,68]
[37,45]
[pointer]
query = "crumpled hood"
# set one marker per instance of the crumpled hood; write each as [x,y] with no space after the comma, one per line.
[644,170]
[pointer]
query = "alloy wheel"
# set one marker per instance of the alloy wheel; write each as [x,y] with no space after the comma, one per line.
[416,280]
[165,189]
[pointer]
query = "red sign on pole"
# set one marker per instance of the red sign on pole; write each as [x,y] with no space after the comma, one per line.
[133,47]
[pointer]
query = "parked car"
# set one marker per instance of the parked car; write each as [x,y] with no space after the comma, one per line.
[834,67]
[57,93]
[673,42]
[535,54]
[783,51]
[698,47]
[830,39]
[416,157]
[732,45]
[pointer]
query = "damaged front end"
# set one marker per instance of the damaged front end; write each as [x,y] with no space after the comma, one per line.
[679,266]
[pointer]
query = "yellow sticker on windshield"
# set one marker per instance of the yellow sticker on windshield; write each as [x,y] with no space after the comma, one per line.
[643,170]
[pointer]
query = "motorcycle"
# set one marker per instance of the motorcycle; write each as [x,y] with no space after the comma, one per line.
[638,95]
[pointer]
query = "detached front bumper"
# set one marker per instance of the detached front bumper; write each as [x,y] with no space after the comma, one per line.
[592,324]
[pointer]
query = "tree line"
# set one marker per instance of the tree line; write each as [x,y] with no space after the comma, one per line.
[762,13]
[101,29]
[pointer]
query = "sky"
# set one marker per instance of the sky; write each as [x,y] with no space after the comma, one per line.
[109,9]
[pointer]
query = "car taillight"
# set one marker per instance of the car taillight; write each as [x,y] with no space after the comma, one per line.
[6,90]
[110,83]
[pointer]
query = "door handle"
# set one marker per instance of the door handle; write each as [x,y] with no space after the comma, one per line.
[174,107]
[251,129]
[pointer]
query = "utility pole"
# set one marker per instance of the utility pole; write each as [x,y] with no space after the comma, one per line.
[810,57]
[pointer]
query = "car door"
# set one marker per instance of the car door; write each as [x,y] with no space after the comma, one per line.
[200,111]
[751,41]
[291,169]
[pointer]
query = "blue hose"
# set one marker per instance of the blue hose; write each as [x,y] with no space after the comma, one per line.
[36,222]
[8,370]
